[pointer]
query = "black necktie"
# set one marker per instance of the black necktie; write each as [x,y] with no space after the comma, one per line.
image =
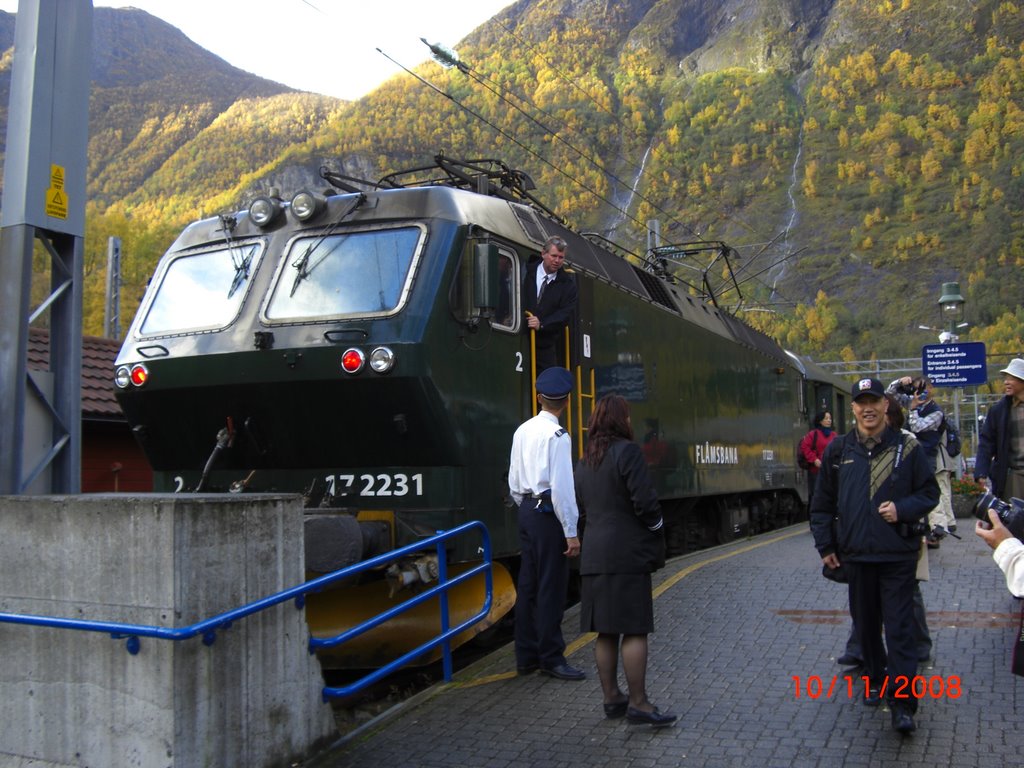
[543,285]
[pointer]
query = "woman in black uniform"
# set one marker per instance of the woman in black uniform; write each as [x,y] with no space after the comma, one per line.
[623,543]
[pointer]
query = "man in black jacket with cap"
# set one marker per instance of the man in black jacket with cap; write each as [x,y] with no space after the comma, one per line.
[877,484]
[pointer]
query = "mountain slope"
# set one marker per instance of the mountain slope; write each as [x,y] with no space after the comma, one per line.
[855,153]
[154,92]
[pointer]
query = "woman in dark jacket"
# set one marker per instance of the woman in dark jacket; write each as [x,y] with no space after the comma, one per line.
[623,543]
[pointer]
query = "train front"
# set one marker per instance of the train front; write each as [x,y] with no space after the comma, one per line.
[285,349]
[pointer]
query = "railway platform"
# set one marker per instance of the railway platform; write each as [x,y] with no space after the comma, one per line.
[744,651]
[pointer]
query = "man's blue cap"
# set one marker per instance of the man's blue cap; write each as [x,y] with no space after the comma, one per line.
[554,383]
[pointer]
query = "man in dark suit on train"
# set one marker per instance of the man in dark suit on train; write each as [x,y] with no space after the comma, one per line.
[549,298]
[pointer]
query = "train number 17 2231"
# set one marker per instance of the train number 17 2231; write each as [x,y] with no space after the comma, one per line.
[381,484]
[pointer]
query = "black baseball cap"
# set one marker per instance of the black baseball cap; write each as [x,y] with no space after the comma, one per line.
[871,387]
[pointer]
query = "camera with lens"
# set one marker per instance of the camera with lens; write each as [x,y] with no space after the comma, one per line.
[1011,515]
[913,530]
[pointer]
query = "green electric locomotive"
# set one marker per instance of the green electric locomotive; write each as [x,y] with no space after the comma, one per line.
[366,348]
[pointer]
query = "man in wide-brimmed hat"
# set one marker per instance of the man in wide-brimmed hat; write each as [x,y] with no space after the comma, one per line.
[1000,456]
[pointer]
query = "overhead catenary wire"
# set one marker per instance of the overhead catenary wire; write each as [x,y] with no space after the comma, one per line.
[556,136]
[720,214]
[479,77]
[508,136]
[572,83]
[449,59]
[557,71]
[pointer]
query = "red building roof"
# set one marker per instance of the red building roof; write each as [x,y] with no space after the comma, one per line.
[98,357]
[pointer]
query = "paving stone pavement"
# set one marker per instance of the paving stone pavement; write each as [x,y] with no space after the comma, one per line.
[733,626]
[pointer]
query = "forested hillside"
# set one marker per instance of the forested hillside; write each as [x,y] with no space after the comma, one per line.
[855,153]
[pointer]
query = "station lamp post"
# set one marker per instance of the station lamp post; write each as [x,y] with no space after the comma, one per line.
[951,307]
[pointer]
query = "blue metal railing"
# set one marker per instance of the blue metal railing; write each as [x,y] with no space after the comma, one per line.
[208,627]
[440,590]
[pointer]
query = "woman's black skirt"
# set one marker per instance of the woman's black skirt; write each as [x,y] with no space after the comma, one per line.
[617,604]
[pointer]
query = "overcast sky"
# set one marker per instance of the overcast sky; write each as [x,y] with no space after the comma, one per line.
[324,46]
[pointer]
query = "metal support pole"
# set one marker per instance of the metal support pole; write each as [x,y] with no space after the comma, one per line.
[957,394]
[15,289]
[44,201]
[653,234]
[112,305]
[977,423]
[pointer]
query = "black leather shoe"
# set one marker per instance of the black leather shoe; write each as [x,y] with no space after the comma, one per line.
[564,672]
[873,699]
[903,721]
[529,669]
[616,709]
[849,660]
[655,718]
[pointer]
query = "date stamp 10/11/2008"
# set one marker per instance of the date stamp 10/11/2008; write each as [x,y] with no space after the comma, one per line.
[899,687]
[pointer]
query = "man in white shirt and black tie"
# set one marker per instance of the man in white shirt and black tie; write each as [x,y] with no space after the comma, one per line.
[549,297]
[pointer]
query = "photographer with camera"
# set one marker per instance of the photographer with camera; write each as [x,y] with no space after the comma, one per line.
[869,502]
[925,419]
[1001,440]
[1008,550]
[1001,526]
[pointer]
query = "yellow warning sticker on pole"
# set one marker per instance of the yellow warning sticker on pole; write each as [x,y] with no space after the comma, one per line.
[56,203]
[56,197]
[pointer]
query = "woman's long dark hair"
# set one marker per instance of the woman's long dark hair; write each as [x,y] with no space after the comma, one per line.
[608,422]
[894,414]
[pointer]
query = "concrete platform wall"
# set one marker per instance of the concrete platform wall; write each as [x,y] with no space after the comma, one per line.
[70,698]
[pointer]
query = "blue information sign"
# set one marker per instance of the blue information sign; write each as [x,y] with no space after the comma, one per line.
[955,365]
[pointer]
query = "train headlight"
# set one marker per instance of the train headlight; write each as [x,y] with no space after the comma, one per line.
[353,360]
[382,360]
[264,210]
[306,205]
[137,374]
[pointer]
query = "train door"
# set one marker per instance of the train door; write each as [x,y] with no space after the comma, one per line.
[573,352]
[582,362]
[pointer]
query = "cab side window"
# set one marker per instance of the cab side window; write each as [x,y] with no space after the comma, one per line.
[506,315]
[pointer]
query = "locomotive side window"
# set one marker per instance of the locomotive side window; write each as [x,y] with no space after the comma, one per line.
[354,273]
[507,311]
[201,291]
[486,286]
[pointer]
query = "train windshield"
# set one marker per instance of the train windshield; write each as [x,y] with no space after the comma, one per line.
[354,273]
[201,291]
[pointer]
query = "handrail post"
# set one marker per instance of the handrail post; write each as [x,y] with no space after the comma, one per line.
[442,578]
[533,370]
[581,396]
[568,365]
